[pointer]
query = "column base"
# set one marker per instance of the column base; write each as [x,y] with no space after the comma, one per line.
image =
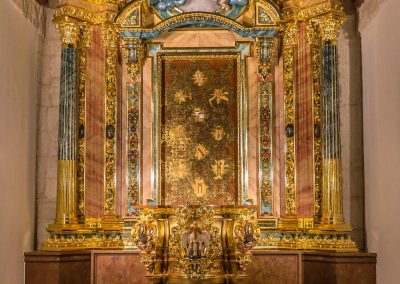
[288,223]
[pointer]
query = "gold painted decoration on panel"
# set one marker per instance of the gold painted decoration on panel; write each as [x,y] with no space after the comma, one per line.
[199,124]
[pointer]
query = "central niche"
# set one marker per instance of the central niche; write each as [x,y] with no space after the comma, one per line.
[199,145]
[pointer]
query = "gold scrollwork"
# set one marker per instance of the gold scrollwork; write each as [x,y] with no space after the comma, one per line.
[109,36]
[264,50]
[133,52]
[84,43]
[330,27]
[145,232]
[313,39]
[194,241]
[69,30]
[289,39]
[110,132]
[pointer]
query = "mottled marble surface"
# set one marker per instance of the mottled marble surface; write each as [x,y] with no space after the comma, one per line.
[95,117]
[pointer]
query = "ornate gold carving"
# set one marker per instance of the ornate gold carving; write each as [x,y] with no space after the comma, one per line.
[264,50]
[330,28]
[110,132]
[219,169]
[246,231]
[94,17]
[194,241]
[84,43]
[310,241]
[218,133]
[109,35]
[314,40]
[69,30]
[145,231]
[181,96]
[133,145]
[133,52]
[219,95]
[199,79]
[290,35]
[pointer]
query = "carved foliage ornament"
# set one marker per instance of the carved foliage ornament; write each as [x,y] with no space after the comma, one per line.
[69,30]
[145,232]
[194,241]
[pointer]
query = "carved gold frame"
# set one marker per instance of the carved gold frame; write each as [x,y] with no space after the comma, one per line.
[241,51]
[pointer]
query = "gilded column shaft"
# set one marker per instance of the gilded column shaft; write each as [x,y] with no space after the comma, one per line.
[289,46]
[265,90]
[67,152]
[84,43]
[332,207]
[314,42]
[109,38]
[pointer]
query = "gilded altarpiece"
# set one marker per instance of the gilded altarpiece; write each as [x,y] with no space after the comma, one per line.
[205,111]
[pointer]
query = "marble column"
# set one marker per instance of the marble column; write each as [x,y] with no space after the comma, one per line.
[332,196]
[67,146]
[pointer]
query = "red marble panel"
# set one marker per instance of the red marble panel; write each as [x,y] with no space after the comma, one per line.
[339,268]
[57,267]
[95,127]
[304,130]
[114,267]
[269,267]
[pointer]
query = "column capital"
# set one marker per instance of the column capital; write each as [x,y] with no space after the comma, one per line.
[330,27]
[69,30]
[109,35]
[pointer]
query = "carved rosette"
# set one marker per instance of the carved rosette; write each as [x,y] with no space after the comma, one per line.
[264,50]
[110,41]
[289,44]
[194,241]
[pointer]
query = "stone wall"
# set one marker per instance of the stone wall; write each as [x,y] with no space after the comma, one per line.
[20,42]
[48,129]
[379,28]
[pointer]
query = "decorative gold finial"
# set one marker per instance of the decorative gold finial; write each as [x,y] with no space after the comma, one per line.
[69,30]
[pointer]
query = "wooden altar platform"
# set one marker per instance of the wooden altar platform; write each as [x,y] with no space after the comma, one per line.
[268,266]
